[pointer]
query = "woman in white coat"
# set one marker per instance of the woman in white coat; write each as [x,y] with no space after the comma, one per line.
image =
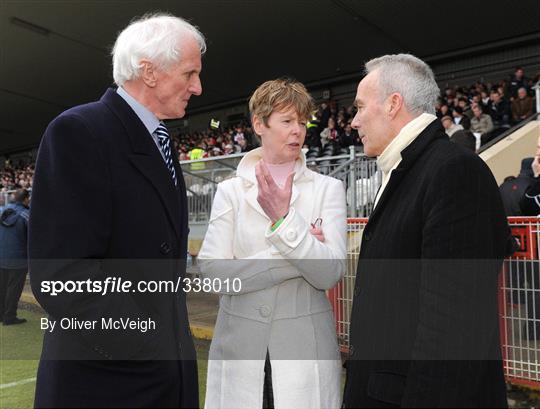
[275,343]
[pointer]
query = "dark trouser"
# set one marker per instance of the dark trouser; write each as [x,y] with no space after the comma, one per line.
[11,286]
[268,393]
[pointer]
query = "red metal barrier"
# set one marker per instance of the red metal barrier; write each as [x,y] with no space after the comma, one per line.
[519,300]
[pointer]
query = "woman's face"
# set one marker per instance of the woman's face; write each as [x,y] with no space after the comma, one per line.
[284,136]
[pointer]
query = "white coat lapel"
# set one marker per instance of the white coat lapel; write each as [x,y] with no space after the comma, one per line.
[251,198]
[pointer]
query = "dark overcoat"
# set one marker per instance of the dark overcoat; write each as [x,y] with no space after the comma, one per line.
[105,205]
[424,326]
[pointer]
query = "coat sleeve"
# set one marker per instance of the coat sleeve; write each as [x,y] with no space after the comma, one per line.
[69,229]
[322,264]
[217,261]
[464,237]
[530,201]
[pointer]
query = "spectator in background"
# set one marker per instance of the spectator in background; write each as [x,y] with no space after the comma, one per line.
[481,123]
[330,134]
[449,126]
[463,103]
[445,110]
[460,119]
[499,110]
[485,98]
[513,188]
[522,106]
[349,137]
[13,255]
[517,81]
[325,114]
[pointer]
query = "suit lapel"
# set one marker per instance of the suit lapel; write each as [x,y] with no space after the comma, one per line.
[146,157]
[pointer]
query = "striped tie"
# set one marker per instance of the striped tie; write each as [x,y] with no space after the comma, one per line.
[165,144]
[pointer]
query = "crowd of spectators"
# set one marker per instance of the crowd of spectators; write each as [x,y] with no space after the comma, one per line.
[15,176]
[215,142]
[485,110]
[329,126]
[478,113]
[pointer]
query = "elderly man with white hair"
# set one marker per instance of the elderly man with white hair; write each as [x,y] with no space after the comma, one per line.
[110,207]
[424,324]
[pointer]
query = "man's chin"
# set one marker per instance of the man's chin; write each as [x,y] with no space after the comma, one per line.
[369,152]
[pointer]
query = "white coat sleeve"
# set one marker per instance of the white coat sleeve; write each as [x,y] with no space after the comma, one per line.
[216,257]
[322,264]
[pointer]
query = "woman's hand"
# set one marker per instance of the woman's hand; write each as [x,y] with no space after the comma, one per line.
[273,200]
[318,233]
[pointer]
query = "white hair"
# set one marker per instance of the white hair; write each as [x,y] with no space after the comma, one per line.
[156,37]
[408,76]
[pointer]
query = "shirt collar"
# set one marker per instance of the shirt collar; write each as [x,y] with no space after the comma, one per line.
[149,120]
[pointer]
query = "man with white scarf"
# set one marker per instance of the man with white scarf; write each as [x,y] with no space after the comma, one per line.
[424,324]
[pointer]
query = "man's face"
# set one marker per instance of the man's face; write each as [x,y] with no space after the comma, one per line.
[175,85]
[522,93]
[477,111]
[519,74]
[447,123]
[371,120]
[284,136]
[495,97]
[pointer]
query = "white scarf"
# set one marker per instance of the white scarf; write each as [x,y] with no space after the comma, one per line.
[391,156]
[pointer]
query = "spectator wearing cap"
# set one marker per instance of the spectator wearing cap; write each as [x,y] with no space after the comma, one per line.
[522,106]
[13,255]
[449,126]
[460,119]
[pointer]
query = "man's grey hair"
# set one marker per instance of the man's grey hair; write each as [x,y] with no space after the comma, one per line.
[157,37]
[410,77]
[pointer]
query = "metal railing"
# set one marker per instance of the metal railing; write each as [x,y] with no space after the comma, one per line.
[518,295]
[358,173]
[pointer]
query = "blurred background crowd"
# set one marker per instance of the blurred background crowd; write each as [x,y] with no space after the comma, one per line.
[472,115]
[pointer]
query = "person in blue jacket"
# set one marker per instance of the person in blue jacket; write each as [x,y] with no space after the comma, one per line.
[13,255]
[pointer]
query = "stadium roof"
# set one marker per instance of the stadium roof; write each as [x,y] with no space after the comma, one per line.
[55,54]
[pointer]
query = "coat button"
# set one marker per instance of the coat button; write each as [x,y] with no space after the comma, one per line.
[356,291]
[265,311]
[351,350]
[366,236]
[165,248]
[291,235]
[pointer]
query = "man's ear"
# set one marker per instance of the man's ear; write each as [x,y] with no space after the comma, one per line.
[258,125]
[395,103]
[148,73]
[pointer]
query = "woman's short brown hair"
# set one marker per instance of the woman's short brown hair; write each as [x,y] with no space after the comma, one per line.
[279,95]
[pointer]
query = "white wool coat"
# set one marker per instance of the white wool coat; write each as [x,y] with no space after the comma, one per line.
[282,307]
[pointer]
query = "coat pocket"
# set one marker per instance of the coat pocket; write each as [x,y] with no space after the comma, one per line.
[386,387]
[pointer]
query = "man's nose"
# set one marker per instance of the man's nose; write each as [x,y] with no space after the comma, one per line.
[196,86]
[355,122]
